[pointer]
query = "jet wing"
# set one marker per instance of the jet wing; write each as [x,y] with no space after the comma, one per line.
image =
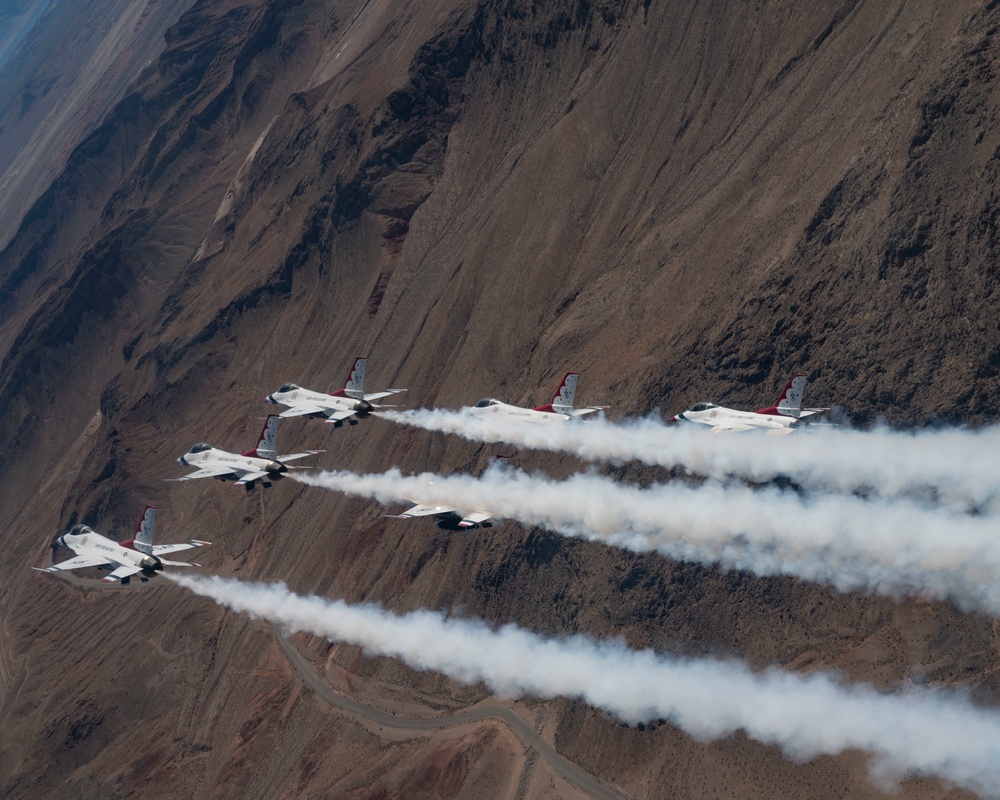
[160,549]
[379,395]
[205,472]
[293,456]
[473,519]
[78,563]
[302,411]
[122,572]
[732,428]
[421,510]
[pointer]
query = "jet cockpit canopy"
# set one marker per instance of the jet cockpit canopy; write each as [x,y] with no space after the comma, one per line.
[703,406]
[80,530]
[288,387]
[201,447]
[486,402]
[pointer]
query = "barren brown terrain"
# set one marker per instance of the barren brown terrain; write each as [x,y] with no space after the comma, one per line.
[682,200]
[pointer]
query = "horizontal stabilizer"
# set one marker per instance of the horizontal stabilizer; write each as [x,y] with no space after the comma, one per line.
[386,393]
[293,456]
[584,411]
[250,477]
[122,572]
[159,549]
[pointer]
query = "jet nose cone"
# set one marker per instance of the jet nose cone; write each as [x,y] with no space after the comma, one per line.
[674,419]
[182,462]
[270,399]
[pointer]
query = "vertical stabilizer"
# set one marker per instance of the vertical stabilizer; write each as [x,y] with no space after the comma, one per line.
[267,444]
[789,404]
[562,402]
[144,532]
[143,538]
[355,386]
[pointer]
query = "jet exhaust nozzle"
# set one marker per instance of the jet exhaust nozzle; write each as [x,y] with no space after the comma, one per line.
[151,564]
[276,467]
[364,407]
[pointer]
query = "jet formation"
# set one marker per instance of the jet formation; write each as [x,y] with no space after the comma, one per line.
[262,464]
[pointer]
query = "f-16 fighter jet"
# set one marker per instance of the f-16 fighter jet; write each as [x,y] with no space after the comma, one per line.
[783,417]
[137,555]
[260,464]
[450,518]
[344,405]
[559,410]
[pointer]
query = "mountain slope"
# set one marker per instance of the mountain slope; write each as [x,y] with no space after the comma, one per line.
[677,199]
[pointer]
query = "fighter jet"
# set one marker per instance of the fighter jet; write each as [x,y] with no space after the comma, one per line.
[450,518]
[344,405]
[781,418]
[559,410]
[137,555]
[262,463]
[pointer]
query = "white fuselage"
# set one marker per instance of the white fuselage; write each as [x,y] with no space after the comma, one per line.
[92,544]
[239,465]
[723,418]
[325,404]
[498,410]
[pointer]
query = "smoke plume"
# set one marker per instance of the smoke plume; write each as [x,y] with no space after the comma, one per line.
[912,733]
[954,467]
[892,548]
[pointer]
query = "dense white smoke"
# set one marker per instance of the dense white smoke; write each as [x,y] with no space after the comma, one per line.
[915,733]
[852,544]
[956,467]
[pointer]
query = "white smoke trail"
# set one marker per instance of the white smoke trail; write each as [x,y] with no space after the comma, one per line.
[891,548]
[957,466]
[915,733]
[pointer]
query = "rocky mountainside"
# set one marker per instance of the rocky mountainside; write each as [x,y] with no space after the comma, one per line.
[682,200]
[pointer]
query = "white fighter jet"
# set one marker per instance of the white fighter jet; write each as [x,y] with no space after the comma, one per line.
[781,418]
[260,464]
[137,555]
[449,517]
[344,405]
[559,410]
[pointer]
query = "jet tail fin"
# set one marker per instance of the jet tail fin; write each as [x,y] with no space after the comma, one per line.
[562,401]
[789,404]
[355,385]
[267,442]
[142,540]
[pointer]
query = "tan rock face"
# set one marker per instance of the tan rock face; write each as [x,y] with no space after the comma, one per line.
[681,200]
